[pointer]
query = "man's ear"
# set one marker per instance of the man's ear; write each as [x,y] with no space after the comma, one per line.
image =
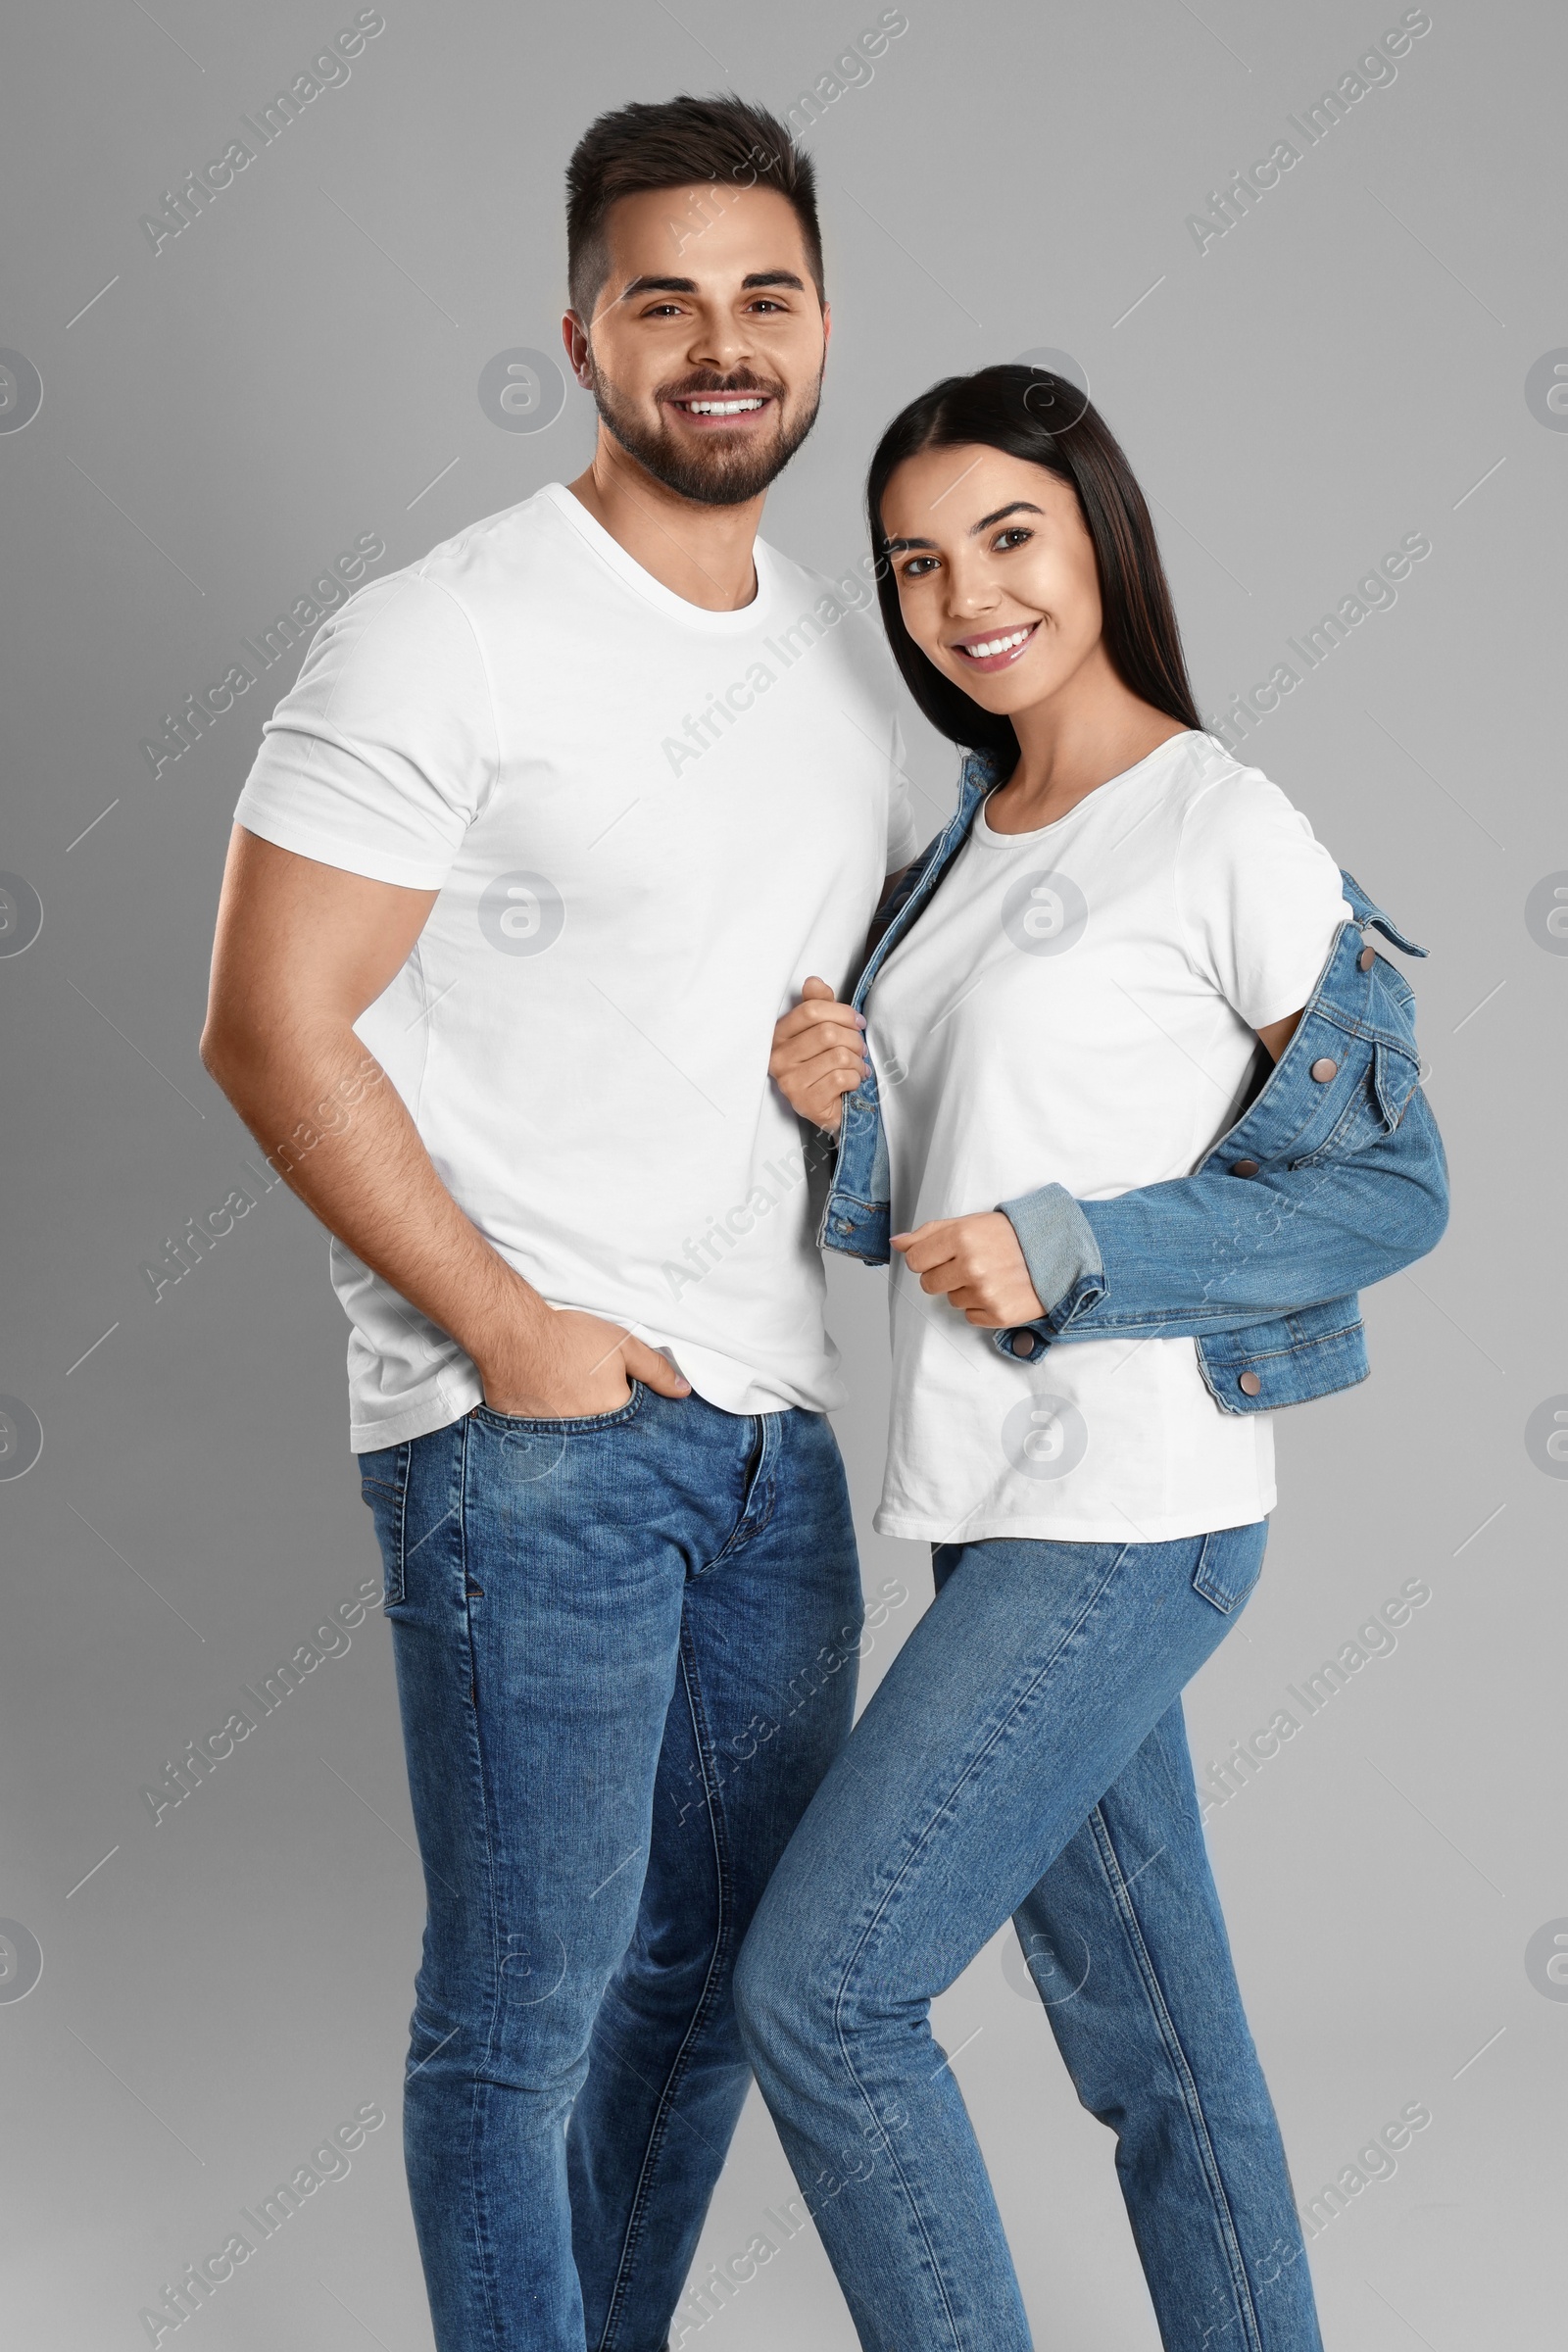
[574,335]
[827,325]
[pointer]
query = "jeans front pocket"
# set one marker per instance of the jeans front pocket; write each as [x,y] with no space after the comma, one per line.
[385,1487]
[565,1424]
[1230,1564]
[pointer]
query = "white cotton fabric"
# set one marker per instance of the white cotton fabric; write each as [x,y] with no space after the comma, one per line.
[1078,1006]
[648,823]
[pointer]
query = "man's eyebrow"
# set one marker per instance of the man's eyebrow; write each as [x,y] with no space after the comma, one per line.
[1019,505]
[688,285]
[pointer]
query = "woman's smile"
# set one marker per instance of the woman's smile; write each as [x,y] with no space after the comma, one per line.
[998,648]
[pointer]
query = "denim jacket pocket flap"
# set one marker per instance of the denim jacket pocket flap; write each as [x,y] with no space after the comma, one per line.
[1396,1076]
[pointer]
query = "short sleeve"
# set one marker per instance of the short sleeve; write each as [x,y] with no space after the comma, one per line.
[901,843]
[1260,898]
[380,756]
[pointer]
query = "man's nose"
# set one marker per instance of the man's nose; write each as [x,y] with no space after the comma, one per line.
[721,343]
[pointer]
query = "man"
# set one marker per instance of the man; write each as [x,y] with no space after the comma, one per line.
[553,827]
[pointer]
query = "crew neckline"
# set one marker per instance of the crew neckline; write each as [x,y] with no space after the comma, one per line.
[738,622]
[1004,841]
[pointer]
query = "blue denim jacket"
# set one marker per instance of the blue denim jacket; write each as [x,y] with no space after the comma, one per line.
[1333,1177]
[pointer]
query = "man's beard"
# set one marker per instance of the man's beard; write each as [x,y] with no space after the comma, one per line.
[725,473]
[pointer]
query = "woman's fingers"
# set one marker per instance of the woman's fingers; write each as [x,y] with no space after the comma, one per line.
[800,1052]
[813,1075]
[837,1072]
[808,1026]
[977,1264]
[817,1004]
[927,1246]
[818,1053]
[938,1254]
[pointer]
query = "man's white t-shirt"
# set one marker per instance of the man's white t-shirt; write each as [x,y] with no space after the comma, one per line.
[648,823]
[1078,1006]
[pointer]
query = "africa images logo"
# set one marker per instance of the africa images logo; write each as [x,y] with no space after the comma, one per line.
[21,1960]
[1045,1437]
[521,390]
[1045,913]
[20,391]
[1547,1437]
[21,1437]
[521,913]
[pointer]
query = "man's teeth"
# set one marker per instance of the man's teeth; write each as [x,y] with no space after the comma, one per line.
[724,407]
[997,645]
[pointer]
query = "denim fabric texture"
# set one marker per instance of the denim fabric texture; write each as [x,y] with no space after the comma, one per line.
[1025,1755]
[625,1652]
[1324,1185]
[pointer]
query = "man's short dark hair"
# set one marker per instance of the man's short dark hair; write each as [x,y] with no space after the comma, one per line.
[679,142]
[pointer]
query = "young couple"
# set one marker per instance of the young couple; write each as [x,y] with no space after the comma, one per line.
[1123,1089]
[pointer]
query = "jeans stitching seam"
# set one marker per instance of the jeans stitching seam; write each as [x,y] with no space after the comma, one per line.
[762,1481]
[481,2083]
[658,2131]
[1191,2102]
[405,1479]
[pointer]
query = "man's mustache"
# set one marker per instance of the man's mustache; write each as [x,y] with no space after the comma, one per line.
[708,384]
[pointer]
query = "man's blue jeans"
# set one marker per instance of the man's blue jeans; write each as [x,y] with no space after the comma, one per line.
[626,1653]
[1025,1754]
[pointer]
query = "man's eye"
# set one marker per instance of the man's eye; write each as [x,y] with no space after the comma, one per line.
[768,304]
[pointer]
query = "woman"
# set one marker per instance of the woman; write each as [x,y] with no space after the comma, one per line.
[1081,992]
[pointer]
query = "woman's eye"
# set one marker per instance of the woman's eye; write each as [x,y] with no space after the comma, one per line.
[1014,536]
[917,566]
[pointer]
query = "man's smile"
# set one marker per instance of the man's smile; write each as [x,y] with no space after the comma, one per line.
[707,410]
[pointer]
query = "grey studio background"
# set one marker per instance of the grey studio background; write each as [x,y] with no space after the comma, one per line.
[1372,347]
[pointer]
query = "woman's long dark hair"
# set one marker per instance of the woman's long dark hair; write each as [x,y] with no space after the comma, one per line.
[1007,407]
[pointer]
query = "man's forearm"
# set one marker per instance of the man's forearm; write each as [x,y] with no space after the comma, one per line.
[330,1121]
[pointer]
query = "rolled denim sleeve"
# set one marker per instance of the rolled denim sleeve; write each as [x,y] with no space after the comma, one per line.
[1063,1259]
[1056,1239]
[1210,1254]
[1207,1254]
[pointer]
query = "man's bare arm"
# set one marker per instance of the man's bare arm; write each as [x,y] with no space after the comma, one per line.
[302,949]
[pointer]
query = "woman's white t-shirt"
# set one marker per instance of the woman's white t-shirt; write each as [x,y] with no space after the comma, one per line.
[1079,1005]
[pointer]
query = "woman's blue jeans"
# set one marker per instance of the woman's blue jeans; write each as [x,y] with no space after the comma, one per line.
[1025,1755]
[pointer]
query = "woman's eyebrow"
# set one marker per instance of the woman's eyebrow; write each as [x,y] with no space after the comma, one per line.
[1019,505]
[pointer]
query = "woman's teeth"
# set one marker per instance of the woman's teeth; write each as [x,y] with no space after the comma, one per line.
[989,645]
